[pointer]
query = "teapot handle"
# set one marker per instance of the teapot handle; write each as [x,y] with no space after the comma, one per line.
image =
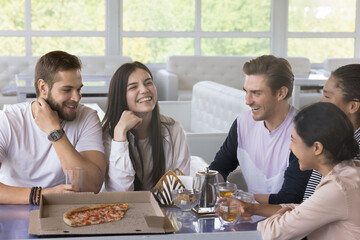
[215,194]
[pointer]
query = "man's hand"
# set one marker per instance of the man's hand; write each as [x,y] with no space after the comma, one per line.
[45,118]
[128,121]
[20,195]
[63,188]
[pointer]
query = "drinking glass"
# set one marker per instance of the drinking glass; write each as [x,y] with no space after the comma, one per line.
[245,197]
[185,199]
[74,176]
[225,189]
[228,213]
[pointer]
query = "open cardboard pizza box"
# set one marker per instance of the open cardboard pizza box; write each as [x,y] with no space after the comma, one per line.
[144,215]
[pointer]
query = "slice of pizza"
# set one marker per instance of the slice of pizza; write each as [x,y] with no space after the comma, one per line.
[95,214]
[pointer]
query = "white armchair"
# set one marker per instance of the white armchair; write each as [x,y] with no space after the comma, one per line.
[331,64]
[208,117]
[182,72]
[300,65]
[102,65]
[9,67]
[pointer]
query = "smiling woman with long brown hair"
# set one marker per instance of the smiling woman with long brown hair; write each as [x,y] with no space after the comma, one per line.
[140,143]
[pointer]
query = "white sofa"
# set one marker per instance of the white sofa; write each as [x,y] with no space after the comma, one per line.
[208,117]
[182,72]
[101,65]
[331,64]
[206,120]
[11,65]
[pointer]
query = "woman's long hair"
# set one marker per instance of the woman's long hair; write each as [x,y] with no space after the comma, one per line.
[117,103]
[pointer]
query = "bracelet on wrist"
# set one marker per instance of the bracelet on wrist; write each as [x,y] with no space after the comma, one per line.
[38,195]
[31,196]
[35,194]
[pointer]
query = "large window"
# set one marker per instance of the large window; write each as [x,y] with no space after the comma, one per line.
[234,23]
[38,26]
[155,29]
[12,19]
[151,30]
[144,21]
[320,29]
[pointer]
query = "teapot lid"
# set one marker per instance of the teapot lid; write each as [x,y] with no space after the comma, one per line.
[207,171]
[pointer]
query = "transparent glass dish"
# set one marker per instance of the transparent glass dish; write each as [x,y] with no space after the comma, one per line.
[185,199]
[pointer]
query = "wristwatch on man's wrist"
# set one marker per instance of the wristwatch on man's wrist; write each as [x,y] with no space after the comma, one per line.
[55,135]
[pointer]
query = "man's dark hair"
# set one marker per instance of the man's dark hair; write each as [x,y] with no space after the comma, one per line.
[51,63]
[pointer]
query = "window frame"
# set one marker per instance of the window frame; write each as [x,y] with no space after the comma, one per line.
[353,35]
[114,32]
[28,33]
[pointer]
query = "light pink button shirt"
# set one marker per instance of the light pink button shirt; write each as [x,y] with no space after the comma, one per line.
[332,212]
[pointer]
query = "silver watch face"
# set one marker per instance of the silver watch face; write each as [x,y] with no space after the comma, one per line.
[55,135]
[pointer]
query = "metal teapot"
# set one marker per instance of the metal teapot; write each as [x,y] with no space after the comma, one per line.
[205,182]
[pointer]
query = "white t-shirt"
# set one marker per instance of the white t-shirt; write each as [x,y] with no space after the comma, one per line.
[26,155]
[121,173]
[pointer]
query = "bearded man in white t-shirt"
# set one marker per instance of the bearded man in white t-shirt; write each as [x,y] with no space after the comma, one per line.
[39,140]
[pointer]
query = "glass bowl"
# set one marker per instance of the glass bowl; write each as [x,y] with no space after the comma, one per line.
[185,199]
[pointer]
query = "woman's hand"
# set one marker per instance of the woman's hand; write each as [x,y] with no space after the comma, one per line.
[127,122]
[245,209]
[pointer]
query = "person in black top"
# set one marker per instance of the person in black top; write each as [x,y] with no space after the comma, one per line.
[265,162]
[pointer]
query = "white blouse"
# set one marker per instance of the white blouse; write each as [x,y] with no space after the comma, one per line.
[121,173]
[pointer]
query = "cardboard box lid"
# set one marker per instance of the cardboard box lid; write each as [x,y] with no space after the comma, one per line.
[144,215]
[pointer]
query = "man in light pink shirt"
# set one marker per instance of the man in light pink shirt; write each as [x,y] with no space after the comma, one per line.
[259,139]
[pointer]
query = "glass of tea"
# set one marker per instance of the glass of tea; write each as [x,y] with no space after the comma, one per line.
[225,189]
[245,197]
[228,213]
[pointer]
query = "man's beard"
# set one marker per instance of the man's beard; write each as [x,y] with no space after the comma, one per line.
[59,109]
